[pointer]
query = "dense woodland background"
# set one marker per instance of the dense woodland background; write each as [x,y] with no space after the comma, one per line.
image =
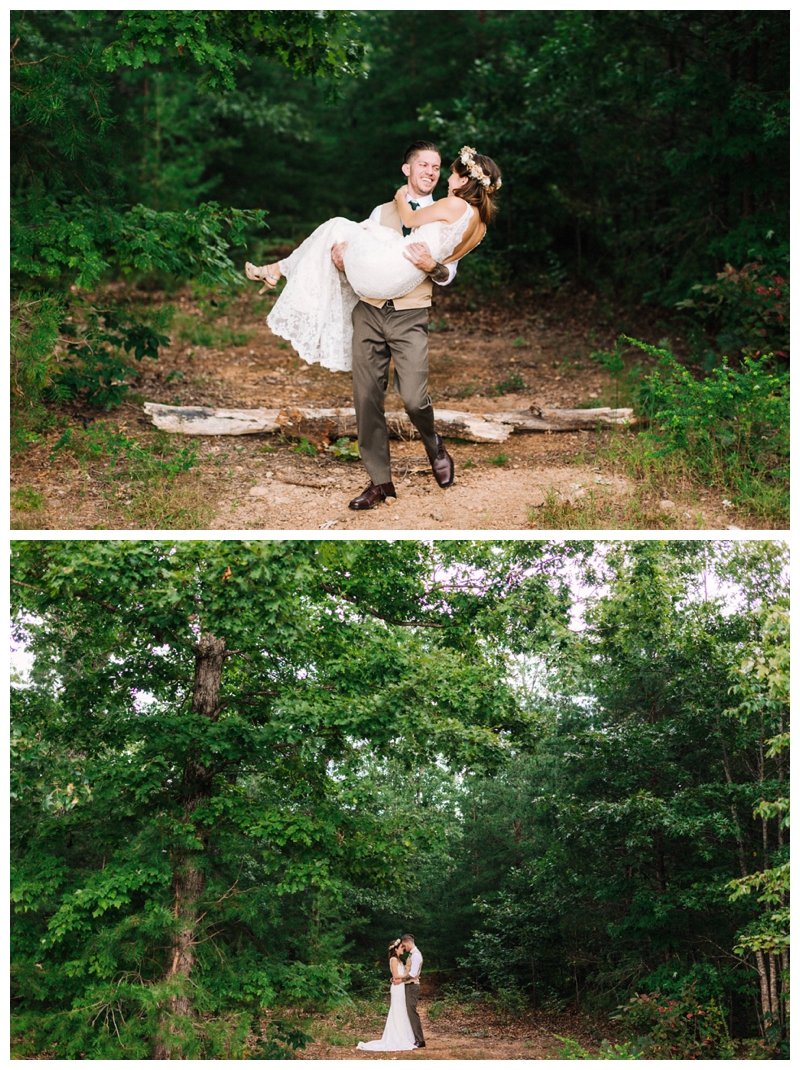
[241,768]
[639,149]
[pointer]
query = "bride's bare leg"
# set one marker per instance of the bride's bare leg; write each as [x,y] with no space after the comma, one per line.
[269,274]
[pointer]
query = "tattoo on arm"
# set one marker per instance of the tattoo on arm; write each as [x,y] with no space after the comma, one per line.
[440,273]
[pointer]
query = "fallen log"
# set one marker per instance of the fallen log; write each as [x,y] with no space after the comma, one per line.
[341,423]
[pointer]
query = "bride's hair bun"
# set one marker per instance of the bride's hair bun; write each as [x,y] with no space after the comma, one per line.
[394,947]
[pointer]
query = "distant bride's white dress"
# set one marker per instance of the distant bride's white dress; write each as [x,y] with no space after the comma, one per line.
[397,1034]
[313,311]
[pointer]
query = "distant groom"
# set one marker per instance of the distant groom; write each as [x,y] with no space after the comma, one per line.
[412,988]
[398,330]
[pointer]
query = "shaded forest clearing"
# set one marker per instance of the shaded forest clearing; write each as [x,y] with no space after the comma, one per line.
[466,1031]
[113,470]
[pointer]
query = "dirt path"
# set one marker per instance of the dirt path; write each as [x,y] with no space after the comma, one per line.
[475,1034]
[481,359]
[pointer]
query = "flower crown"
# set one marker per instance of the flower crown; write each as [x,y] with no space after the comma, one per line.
[467,157]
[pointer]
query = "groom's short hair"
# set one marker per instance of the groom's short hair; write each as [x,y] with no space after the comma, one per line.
[410,937]
[420,146]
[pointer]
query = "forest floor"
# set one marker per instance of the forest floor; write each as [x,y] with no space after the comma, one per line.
[483,357]
[469,1030]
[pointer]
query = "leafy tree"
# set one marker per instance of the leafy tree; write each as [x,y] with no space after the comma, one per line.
[646,145]
[609,873]
[78,165]
[194,789]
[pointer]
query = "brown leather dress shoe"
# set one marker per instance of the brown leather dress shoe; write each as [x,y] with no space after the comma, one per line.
[443,468]
[373,495]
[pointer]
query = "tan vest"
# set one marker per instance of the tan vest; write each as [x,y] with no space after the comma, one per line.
[420,296]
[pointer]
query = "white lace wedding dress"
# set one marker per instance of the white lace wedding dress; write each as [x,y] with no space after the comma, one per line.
[313,311]
[397,1034]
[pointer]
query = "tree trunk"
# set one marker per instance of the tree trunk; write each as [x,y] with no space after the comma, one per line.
[188,879]
[320,425]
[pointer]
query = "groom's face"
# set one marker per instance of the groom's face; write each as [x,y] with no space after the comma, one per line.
[422,172]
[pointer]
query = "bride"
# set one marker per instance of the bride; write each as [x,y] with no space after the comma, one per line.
[397,1034]
[314,310]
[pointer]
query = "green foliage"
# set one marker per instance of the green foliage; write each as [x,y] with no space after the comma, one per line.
[513,384]
[281,1042]
[126,458]
[571,1049]
[598,864]
[98,342]
[310,43]
[731,428]
[35,329]
[614,364]
[763,687]
[500,459]
[618,131]
[680,1028]
[348,665]
[87,145]
[343,449]
[305,448]
[27,500]
[746,310]
[509,1002]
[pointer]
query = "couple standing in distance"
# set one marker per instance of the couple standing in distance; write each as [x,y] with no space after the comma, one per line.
[403,1029]
[371,301]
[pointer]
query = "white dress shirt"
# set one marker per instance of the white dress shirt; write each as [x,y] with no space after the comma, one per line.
[422,202]
[416,964]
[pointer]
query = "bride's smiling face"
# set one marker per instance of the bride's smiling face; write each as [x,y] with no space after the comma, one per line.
[422,172]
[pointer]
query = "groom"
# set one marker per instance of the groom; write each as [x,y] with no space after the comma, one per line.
[412,988]
[398,330]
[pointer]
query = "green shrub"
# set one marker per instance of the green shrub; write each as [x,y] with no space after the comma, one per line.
[101,341]
[128,459]
[510,1002]
[746,310]
[572,1050]
[679,1028]
[731,427]
[35,328]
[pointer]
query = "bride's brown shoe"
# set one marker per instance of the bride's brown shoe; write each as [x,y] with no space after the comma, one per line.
[260,274]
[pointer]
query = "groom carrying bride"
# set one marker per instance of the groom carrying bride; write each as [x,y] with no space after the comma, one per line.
[357,297]
[397,330]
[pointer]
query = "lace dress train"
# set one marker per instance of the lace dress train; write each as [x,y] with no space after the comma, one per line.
[314,309]
[397,1034]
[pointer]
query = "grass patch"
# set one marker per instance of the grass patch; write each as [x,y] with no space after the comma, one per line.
[512,385]
[27,500]
[151,479]
[499,460]
[636,511]
[182,504]
[196,331]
